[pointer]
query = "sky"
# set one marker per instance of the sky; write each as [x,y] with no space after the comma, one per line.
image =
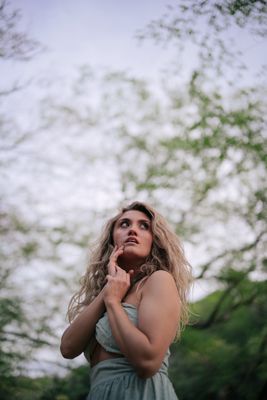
[74,33]
[93,32]
[47,184]
[101,34]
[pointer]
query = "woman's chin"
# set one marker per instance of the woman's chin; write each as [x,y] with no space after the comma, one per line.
[131,258]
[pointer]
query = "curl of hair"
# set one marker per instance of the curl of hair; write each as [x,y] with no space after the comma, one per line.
[166,254]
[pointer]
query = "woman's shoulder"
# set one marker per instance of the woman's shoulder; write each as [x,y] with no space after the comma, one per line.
[160,289]
[161,281]
[160,275]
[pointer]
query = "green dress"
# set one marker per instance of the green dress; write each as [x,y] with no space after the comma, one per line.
[116,379]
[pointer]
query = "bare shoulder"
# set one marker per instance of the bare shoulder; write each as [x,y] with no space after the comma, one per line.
[162,282]
[161,276]
[160,295]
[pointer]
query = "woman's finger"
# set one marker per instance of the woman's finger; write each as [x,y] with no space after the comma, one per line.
[130,275]
[116,253]
[121,272]
[112,265]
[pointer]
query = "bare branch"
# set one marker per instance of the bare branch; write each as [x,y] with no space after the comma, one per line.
[14,44]
[205,267]
[36,341]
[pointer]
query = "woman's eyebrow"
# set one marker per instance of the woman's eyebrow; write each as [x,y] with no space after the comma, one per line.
[124,219]
[144,220]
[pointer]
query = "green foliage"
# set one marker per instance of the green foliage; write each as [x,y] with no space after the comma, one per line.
[74,386]
[19,334]
[222,361]
[11,315]
[227,360]
[205,24]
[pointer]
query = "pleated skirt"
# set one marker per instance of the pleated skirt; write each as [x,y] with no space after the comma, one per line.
[116,379]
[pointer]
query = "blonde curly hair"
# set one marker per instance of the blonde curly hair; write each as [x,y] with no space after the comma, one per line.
[166,254]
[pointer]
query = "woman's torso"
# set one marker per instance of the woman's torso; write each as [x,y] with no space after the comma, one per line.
[133,297]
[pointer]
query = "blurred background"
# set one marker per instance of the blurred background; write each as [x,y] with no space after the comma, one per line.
[103,103]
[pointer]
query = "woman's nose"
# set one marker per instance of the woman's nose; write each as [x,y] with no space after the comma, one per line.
[132,230]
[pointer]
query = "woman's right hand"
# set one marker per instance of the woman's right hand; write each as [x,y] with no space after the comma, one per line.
[112,265]
[118,280]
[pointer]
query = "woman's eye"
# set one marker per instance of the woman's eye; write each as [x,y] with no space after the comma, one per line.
[145,225]
[124,224]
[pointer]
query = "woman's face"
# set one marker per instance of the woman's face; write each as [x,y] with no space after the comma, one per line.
[133,231]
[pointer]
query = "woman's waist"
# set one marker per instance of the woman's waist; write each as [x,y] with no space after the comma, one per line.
[116,368]
[100,354]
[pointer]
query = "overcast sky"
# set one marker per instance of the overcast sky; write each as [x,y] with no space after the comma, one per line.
[99,33]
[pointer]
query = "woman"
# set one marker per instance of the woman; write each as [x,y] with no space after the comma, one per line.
[130,308]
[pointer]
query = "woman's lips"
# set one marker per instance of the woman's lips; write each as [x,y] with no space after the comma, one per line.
[131,240]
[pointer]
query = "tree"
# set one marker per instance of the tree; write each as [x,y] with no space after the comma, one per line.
[227,361]
[211,161]
[20,332]
[212,169]
[211,30]
[14,44]
[196,152]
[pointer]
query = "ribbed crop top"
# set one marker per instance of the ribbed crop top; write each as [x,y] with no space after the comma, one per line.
[104,337]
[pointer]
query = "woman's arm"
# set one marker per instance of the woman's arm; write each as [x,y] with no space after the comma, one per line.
[77,336]
[158,316]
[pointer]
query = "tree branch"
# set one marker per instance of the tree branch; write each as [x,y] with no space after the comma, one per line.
[247,247]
